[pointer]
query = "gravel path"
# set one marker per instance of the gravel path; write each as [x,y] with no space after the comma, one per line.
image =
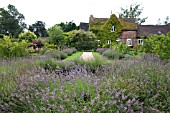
[87,56]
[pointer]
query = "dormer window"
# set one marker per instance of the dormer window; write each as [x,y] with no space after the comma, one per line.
[112,29]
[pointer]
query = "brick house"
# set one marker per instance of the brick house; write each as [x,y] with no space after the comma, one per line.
[131,33]
[133,36]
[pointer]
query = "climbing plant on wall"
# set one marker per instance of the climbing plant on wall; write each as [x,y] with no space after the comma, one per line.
[103,29]
[110,34]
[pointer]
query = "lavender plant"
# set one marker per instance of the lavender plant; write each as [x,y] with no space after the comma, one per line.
[126,86]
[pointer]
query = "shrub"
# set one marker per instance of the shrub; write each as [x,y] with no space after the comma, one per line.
[112,54]
[159,45]
[38,43]
[84,41]
[12,49]
[56,36]
[29,36]
[69,51]
[101,50]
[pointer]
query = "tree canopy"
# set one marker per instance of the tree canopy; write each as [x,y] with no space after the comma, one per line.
[11,21]
[39,29]
[134,11]
[68,26]
[55,35]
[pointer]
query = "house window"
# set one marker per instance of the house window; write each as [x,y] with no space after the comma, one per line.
[117,40]
[129,42]
[98,42]
[112,29]
[109,42]
[140,41]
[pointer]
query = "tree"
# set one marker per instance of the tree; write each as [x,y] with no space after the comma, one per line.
[134,11]
[11,21]
[55,35]
[83,40]
[39,29]
[68,26]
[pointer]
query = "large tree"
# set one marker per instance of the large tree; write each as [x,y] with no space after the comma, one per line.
[134,11]
[68,26]
[39,29]
[11,21]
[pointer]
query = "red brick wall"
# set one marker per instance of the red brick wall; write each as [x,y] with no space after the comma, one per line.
[128,35]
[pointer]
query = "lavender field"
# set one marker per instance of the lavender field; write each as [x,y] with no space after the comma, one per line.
[45,84]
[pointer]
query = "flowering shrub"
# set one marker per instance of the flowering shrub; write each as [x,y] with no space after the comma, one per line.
[112,54]
[69,51]
[131,85]
[101,50]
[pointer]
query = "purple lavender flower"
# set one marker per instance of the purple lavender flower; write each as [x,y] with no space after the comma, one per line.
[74,95]
[82,94]
[43,71]
[121,106]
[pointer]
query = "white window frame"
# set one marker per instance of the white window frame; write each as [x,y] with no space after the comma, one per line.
[109,42]
[129,42]
[112,29]
[140,41]
[117,40]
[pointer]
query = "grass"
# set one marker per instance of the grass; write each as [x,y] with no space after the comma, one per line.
[74,56]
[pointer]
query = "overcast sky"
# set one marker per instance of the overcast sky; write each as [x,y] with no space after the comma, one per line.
[55,11]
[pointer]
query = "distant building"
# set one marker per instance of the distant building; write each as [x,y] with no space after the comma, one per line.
[131,33]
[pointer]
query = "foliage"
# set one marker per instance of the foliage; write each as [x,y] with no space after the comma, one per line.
[83,40]
[74,56]
[37,43]
[11,21]
[69,51]
[56,36]
[29,36]
[159,45]
[12,49]
[122,48]
[102,30]
[134,11]
[132,85]
[68,26]
[101,50]
[39,29]
[112,54]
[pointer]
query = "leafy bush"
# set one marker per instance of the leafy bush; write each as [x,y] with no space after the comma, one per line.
[69,51]
[112,54]
[12,49]
[83,40]
[56,36]
[38,43]
[101,50]
[29,36]
[159,45]
[122,48]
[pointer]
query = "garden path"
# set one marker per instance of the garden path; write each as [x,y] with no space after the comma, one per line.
[87,56]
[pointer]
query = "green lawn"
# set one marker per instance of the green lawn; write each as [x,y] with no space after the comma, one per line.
[74,56]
